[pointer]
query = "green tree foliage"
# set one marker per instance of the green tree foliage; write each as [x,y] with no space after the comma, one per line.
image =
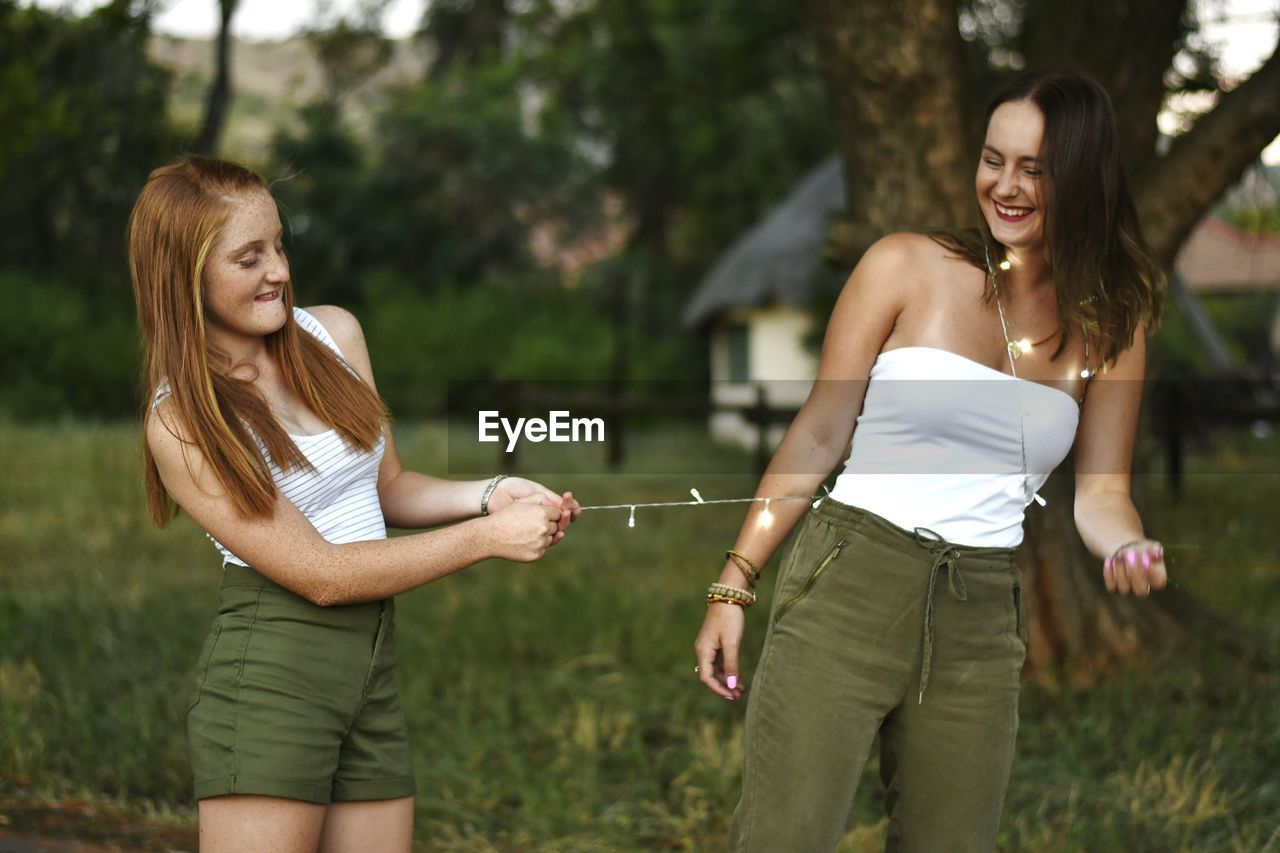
[455,163]
[665,127]
[702,115]
[84,118]
[349,50]
[320,182]
[447,190]
[465,32]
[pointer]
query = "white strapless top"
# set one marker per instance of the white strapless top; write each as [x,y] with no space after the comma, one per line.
[939,445]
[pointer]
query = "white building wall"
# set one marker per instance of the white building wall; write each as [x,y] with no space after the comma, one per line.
[777,360]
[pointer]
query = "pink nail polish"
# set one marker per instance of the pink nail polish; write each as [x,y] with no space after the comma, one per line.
[1106,565]
[1131,558]
[1146,561]
[732,681]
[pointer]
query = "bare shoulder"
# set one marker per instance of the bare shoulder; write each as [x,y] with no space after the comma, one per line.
[903,249]
[340,323]
[896,267]
[163,427]
[181,464]
[1130,364]
[907,258]
[345,329]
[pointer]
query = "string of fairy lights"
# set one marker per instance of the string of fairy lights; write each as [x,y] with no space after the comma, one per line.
[765,519]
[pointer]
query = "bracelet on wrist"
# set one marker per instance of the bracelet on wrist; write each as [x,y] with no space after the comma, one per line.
[1117,551]
[745,597]
[744,564]
[488,493]
[721,599]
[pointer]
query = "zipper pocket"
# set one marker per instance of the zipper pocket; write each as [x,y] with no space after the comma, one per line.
[812,579]
[1020,619]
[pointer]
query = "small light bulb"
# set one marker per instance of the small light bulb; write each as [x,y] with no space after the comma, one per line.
[697,497]
[1086,373]
[766,516]
[1024,346]
[1005,265]
[631,522]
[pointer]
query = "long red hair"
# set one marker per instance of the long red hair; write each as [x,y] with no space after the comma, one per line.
[178,217]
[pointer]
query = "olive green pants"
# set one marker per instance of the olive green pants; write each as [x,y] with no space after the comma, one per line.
[879,629]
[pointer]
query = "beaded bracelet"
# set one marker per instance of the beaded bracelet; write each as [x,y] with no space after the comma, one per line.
[746,596]
[751,570]
[722,599]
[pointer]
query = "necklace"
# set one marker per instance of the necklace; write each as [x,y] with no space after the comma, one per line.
[1015,349]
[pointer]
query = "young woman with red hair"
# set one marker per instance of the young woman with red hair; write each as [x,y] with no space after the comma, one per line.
[264,423]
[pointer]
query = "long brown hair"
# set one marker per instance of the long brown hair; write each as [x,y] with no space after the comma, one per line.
[178,217]
[1106,280]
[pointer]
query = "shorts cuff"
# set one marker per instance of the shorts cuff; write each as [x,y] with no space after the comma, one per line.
[265,786]
[382,789]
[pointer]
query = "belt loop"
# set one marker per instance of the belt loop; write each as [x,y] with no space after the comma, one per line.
[944,553]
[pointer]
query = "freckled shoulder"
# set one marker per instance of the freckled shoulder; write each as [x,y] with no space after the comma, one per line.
[345,329]
[340,323]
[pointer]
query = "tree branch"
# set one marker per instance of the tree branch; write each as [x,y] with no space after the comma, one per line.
[1174,192]
[219,99]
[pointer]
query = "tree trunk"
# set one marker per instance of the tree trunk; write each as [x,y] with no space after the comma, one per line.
[894,71]
[1127,47]
[1079,631]
[219,99]
[893,74]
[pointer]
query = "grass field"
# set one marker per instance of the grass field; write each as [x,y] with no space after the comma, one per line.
[553,707]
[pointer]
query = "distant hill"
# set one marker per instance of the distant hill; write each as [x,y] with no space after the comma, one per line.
[271,80]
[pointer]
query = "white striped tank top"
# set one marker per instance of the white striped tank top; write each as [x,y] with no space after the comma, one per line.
[340,496]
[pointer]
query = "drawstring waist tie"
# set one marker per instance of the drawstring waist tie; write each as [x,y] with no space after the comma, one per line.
[944,554]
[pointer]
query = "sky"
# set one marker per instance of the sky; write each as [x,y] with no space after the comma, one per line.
[1246,30]
[255,19]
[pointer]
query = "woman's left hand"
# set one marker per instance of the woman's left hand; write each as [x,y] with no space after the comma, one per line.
[512,489]
[1136,567]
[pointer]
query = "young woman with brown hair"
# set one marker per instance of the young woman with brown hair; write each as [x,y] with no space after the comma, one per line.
[263,423]
[898,610]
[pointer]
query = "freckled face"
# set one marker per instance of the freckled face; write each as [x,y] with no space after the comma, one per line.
[246,273]
[1010,176]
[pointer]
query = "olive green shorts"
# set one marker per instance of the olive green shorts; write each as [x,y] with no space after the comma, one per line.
[877,630]
[298,701]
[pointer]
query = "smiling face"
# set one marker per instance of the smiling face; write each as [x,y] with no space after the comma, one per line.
[1010,179]
[246,273]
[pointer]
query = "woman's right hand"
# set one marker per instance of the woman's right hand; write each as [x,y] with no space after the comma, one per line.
[523,530]
[717,647]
